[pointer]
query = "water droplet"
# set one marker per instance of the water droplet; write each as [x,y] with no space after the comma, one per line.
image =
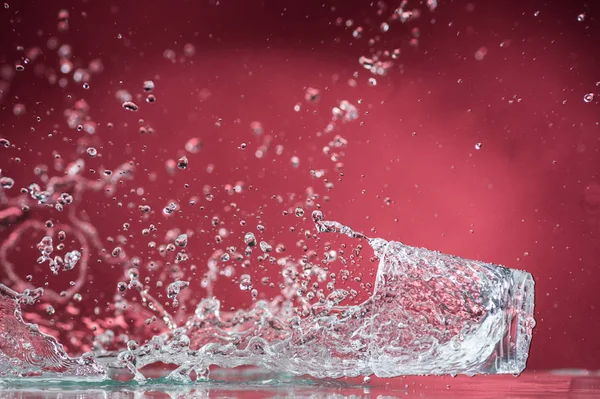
[581,17]
[170,208]
[245,282]
[151,98]
[478,146]
[256,128]
[193,145]
[589,97]
[6,182]
[250,239]
[265,247]
[92,152]
[358,32]
[131,106]
[174,289]
[312,95]
[71,259]
[148,86]
[50,310]
[384,27]
[295,161]
[4,143]
[181,241]
[182,162]
[116,252]
[299,212]
[372,82]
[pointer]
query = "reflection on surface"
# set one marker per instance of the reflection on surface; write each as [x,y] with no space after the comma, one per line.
[250,383]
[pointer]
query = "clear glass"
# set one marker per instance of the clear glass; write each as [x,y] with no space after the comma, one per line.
[441,314]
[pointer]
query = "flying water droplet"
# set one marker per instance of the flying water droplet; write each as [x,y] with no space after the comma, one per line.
[181,241]
[589,97]
[182,162]
[148,86]
[6,182]
[71,259]
[131,106]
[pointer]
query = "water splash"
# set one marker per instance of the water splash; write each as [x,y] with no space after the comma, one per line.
[429,314]
[27,352]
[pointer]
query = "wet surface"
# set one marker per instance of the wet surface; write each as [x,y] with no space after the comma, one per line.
[251,384]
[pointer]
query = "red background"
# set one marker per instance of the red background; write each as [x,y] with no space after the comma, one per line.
[529,198]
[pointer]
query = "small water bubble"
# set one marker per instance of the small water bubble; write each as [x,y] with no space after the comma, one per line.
[77,297]
[131,106]
[116,252]
[367,379]
[478,146]
[86,86]
[19,67]
[589,97]
[384,27]
[250,239]
[358,32]
[6,182]
[312,95]
[71,259]
[193,145]
[256,128]
[372,82]
[148,86]
[4,143]
[19,109]
[189,50]
[581,17]
[265,247]
[182,240]
[170,208]
[182,162]
[295,161]
[245,282]
[92,152]
[299,212]
[50,310]
[122,286]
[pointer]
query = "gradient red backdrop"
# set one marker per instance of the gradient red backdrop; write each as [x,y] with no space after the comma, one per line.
[529,198]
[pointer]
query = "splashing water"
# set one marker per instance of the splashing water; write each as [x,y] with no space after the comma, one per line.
[26,352]
[426,313]
[429,314]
